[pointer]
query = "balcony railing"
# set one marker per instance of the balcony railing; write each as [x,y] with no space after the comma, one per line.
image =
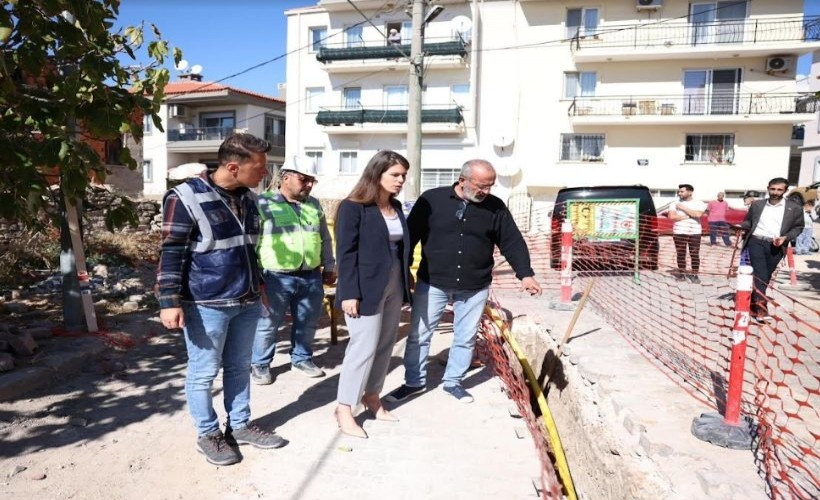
[676,33]
[387,114]
[384,50]
[277,143]
[687,105]
[200,134]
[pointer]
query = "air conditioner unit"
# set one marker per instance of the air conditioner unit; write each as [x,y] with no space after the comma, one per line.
[779,64]
[649,4]
[176,111]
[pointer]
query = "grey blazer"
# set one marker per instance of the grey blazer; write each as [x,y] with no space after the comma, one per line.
[792,220]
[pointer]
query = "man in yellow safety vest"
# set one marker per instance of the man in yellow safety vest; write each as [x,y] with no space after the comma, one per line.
[296,256]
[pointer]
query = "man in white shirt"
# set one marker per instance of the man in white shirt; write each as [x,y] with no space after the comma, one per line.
[686,231]
[770,225]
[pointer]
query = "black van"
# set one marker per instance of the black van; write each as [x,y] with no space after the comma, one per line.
[607,254]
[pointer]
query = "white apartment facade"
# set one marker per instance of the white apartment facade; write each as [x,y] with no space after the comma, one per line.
[556,93]
[197,117]
[810,150]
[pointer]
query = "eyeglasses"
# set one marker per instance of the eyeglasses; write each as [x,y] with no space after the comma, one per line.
[480,187]
[304,179]
[461,208]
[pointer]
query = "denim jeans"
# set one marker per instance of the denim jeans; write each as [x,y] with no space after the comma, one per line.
[719,228]
[802,245]
[214,336]
[428,306]
[302,295]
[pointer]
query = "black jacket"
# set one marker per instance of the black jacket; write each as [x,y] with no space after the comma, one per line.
[458,252]
[792,220]
[363,258]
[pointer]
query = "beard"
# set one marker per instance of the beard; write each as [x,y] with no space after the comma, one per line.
[472,195]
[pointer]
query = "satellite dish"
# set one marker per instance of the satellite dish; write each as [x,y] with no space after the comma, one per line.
[504,139]
[507,167]
[182,65]
[462,25]
[196,69]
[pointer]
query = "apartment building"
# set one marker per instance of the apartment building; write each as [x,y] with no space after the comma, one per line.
[809,172]
[557,93]
[197,117]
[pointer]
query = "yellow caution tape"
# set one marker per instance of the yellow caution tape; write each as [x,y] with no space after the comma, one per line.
[546,414]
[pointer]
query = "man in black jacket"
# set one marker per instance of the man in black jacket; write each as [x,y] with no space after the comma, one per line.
[459,226]
[770,225]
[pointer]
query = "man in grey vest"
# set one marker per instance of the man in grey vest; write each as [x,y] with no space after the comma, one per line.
[209,285]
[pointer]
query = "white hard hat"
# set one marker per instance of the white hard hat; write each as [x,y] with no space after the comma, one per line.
[301,164]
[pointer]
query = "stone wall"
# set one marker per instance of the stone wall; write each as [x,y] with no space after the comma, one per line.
[97,202]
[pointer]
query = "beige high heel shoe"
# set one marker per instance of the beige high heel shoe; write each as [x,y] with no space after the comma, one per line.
[374,405]
[347,424]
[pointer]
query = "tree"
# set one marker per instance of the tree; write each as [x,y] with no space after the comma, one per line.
[64,76]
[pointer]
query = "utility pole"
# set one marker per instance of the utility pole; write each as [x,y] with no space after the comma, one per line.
[412,189]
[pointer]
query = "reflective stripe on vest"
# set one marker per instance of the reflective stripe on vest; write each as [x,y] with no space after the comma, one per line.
[193,202]
[290,241]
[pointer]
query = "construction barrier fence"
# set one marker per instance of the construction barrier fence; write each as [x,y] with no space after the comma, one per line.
[681,318]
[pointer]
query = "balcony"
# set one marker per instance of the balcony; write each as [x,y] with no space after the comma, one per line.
[277,144]
[365,56]
[389,120]
[685,40]
[197,140]
[693,109]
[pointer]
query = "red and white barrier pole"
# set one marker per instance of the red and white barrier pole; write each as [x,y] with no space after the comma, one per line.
[566,262]
[730,430]
[790,263]
[743,298]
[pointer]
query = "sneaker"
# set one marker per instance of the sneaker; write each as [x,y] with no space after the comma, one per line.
[403,393]
[680,277]
[216,449]
[459,393]
[261,375]
[254,436]
[693,278]
[308,369]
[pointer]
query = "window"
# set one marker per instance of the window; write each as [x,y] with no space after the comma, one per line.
[317,38]
[395,97]
[580,84]
[351,98]
[581,22]
[711,91]
[718,22]
[437,177]
[460,95]
[147,171]
[348,162]
[313,99]
[715,148]
[147,125]
[405,29]
[353,36]
[275,130]
[582,147]
[216,125]
[317,157]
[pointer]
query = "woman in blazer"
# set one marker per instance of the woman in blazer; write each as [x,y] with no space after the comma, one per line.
[372,255]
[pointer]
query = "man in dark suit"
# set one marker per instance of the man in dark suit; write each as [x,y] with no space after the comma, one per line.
[770,225]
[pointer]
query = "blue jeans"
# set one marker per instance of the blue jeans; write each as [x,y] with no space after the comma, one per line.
[214,336]
[428,306]
[302,295]
[802,245]
[719,228]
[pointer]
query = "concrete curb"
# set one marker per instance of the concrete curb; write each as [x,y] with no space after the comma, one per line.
[50,368]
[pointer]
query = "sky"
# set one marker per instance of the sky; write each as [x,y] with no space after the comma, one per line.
[224,37]
[228,37]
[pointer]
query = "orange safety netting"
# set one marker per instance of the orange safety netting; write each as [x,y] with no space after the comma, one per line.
[684,326]
[493,349]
